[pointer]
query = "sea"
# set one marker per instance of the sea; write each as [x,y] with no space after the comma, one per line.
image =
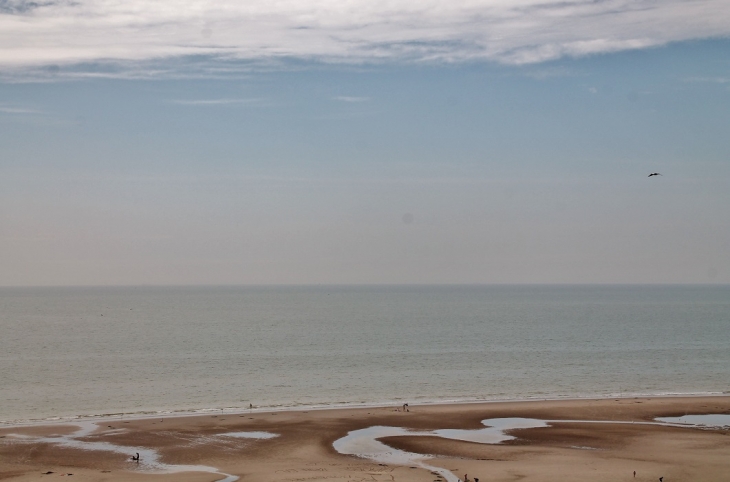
[129,351]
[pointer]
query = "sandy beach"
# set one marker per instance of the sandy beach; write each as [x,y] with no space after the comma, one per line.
[571,447]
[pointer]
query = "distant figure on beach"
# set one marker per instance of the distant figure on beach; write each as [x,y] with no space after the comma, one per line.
[136,457]
[476,479]
[466,478]
[661,479]
[634,474]
[405,407]
[250,406]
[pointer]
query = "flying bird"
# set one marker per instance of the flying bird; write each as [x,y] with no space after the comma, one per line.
[654,174]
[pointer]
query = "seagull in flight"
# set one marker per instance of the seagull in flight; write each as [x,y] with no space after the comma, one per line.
[654,174]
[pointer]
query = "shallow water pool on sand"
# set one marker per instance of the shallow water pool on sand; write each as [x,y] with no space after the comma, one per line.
[149,459]
[364,442]
[493,433]
[717,420]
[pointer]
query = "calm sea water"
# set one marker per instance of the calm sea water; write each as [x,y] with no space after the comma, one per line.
[84,351]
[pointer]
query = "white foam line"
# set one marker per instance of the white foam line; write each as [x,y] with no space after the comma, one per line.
[144,415]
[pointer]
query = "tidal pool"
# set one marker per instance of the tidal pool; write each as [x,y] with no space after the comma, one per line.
[364,442]
[715,420]
[149,459]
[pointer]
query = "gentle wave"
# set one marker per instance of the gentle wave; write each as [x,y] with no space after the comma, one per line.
[83,352]
[143,415]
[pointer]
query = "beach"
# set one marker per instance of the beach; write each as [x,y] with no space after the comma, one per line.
[582,439]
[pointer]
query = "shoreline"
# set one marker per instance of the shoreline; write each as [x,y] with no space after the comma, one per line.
[301,447]
[147,414]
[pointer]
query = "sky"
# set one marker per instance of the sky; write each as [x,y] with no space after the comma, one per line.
[352,142]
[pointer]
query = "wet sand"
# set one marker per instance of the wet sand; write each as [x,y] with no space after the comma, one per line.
[303,448]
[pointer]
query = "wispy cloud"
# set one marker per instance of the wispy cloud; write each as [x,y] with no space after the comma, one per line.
[710,80]
[550,73]
[347,98]
[37,34]
[204,102]
[6,109]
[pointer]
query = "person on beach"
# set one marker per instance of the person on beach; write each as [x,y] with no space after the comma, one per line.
[405,407]
[136,457]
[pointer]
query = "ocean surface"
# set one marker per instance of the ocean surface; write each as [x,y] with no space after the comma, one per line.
[68,352]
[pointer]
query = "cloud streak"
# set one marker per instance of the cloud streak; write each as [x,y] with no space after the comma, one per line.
[36,34]
[205,102]
[6,109]
[709,80]
[351,99]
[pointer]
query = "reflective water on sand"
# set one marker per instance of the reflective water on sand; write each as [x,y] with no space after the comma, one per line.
[149,459]
[364,442]
[709,420]
[493,433]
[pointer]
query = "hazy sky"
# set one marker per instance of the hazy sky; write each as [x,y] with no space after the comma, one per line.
[479,141]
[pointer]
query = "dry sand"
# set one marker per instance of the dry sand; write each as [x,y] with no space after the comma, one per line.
[303,451]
